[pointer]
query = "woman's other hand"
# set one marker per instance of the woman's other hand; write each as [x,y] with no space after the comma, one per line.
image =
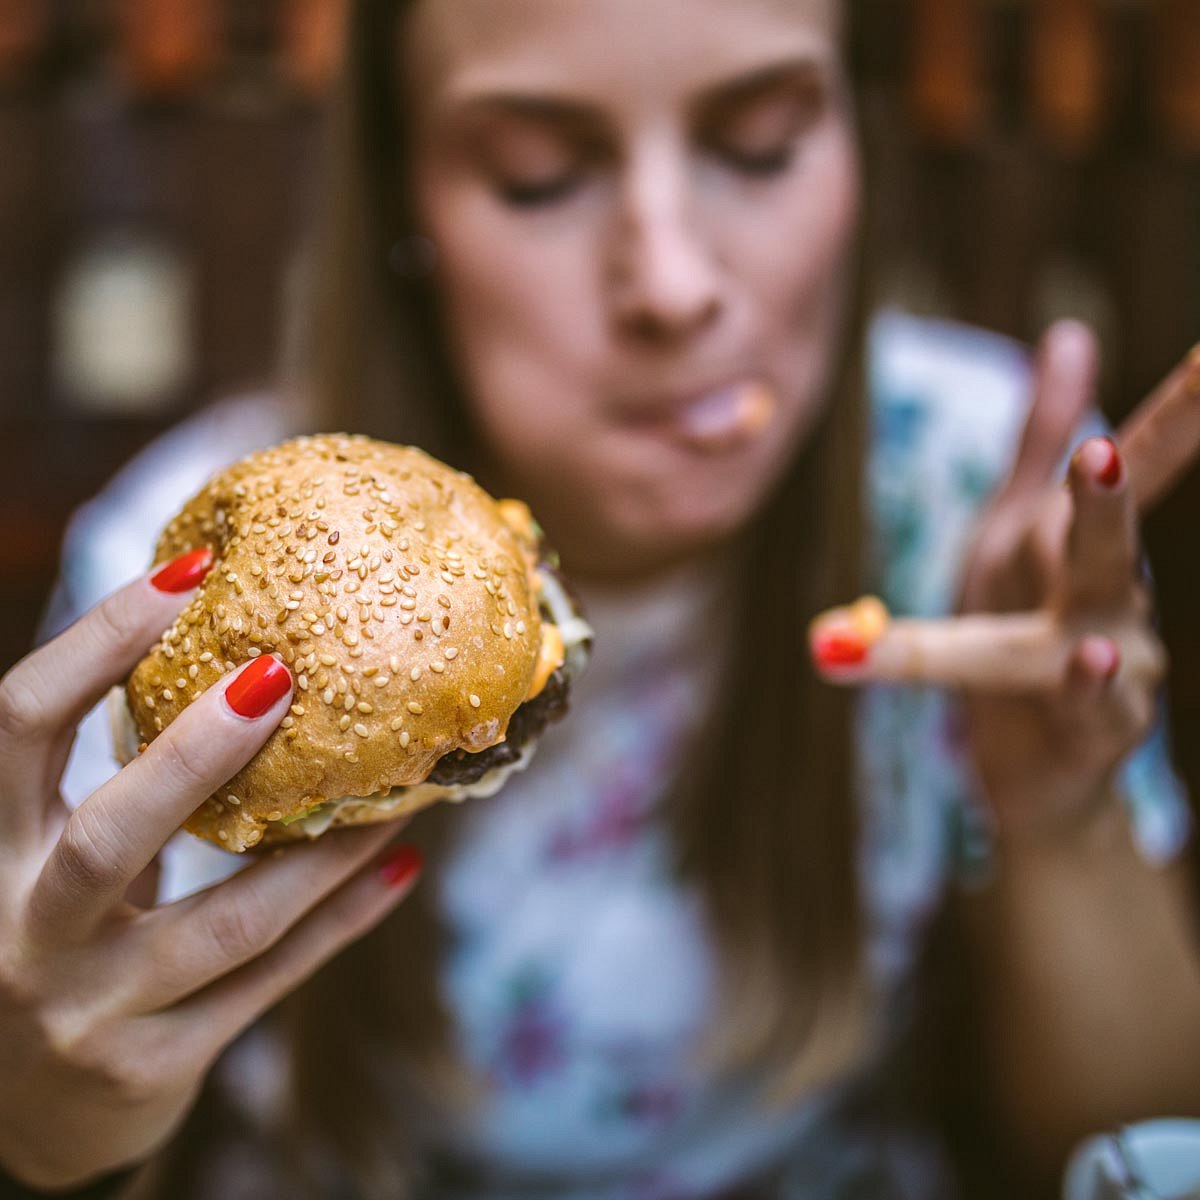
[111,1013]
[1054,648]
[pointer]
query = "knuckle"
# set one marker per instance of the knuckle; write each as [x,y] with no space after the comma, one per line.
[85,855]
[239,931]
[185,762]
[22,714]
[99,1058]
[109,623]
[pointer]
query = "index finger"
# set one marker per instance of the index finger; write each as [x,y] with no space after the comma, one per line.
[1067,363]
[985,652]
[46,694]
[111,838]
[1161,437]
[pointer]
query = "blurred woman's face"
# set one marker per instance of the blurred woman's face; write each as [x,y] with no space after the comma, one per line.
[643,211]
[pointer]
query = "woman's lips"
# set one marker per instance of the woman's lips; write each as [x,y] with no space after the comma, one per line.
[718,421]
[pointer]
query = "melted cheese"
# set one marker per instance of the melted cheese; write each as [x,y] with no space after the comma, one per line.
[516,515]
[550,658]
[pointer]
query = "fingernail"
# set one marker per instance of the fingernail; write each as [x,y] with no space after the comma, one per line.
[400,866]
[1114,661]
[1095,665]
[838,647]
[258,687]
[1108,471]
[185,572]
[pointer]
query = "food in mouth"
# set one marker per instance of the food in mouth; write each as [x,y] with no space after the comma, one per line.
[430,634]
[728,418]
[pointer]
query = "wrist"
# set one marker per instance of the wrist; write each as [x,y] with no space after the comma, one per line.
[1091,832]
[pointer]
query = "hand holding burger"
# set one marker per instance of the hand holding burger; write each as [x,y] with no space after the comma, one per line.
[329,584]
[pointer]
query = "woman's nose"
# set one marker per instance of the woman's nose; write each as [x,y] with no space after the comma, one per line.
[665,279]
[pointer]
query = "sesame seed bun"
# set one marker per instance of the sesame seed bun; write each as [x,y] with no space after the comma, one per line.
[404,599]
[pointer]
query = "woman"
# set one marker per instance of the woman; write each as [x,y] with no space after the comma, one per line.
[675,958]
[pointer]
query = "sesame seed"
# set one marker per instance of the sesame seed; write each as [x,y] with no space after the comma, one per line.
[405,738]
[450,652]
[275,816]
[206,657]
[365,708]
[415,674]
[344,723]
[288,722]
[327,660]
[327,695]
[381,681]
[298,709]
[167,694]
[222,835]
[396,724]
[362,730]
[475,701]
[444,601]
[415,708]
[350,756]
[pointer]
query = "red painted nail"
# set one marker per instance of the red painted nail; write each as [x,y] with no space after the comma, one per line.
[185,572]
[839,648]
[1114,664]
[400,866]
[1110,473]
[258,687]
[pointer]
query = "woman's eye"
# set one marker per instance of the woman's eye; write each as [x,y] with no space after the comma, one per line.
[760,165]
[541,194]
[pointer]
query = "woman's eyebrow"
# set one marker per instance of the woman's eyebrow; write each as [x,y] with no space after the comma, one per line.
[749,86]
[532,106]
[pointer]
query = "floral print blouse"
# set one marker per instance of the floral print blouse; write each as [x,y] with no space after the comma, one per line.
[579,970]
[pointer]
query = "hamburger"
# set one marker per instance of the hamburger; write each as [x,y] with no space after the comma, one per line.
[426,625]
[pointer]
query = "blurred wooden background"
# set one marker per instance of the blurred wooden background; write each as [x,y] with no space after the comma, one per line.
[1035,158]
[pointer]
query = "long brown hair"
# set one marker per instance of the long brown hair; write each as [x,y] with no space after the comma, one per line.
[770,843]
